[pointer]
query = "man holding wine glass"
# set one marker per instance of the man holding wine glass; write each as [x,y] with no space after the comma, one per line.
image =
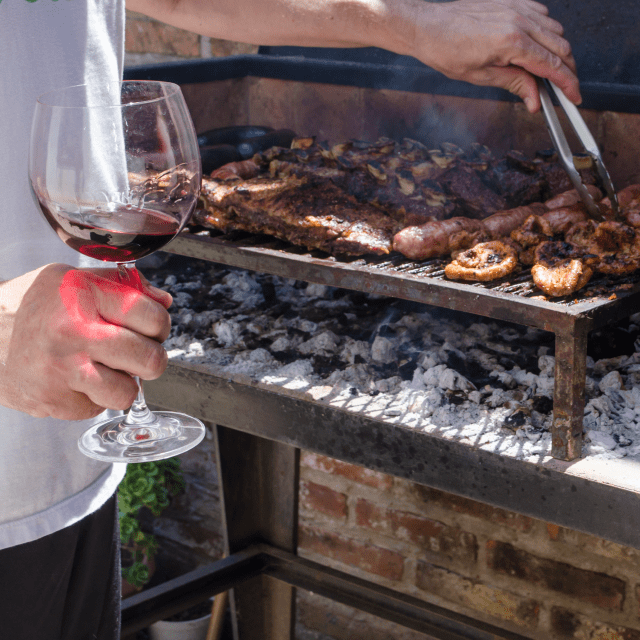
[73,333]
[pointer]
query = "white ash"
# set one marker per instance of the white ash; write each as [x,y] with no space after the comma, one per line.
[464,378]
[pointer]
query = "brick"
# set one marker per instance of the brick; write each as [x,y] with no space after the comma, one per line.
[370,558]
[484,598]
[361,475]
[553,530]
[223,48]
[472,508]
[317,497]
[431,535]
[593,544]
[567,625]
[149,36]
[594,588]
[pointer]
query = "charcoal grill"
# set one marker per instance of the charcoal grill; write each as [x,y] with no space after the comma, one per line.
[361,100]
[337,99]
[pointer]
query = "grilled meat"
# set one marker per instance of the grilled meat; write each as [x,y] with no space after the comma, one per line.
[440,237]
[615,246]
[560,268]
[378,189]
[483,262]
[313,214]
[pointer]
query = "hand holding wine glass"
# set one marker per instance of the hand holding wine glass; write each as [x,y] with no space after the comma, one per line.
[116,172]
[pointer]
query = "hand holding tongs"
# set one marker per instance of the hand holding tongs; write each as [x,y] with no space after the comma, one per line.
[566,157]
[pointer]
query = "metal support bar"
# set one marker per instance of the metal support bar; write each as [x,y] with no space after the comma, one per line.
[568,399]
[288,569]
[173,596]
[405,610]
[259,491]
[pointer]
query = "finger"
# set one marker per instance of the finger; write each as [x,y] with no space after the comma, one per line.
[546,23]
[140,283]
[129,308]
[71,405]
[552,42]
[128,351]
[537,6]
[539,61]
[105,388]
[515,80]
[163,297]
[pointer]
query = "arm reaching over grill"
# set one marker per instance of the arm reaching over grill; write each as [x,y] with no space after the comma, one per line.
[501,43]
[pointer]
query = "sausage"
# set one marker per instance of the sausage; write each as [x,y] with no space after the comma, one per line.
[432,238]
[628,194]
[502,223]
[632,217]
[562,219]
[571,197]
[244,169]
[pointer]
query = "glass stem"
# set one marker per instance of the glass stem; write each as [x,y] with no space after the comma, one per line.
[139,413]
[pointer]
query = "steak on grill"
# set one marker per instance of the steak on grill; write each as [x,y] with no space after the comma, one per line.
[311,213]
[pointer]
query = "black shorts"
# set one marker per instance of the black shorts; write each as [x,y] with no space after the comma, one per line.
[65,586]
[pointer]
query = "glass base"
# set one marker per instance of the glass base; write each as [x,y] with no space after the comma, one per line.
[168,434]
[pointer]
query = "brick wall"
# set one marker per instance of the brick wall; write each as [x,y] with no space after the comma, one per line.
[538,579]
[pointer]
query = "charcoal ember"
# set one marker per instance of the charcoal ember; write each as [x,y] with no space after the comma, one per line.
[256,342]
[269,293]
[324,365]
[469,368]
[542,404]
[455,398]
[516,420]
[622,440]
[315,314]
[407,369]
[610,342]
[286,357]
[386,331]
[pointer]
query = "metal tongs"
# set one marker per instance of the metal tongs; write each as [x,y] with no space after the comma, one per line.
[566,156]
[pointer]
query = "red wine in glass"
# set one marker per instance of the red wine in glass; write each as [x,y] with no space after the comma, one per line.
[111,238]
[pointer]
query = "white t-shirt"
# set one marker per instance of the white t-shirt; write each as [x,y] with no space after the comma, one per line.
[46,484]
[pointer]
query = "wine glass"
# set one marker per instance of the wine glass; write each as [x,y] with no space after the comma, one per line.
[115,170]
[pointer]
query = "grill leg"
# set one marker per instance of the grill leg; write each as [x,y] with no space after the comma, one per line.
[568,400]
[259,492]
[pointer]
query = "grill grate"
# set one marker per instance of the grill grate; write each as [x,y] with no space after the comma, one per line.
[517,285]
[513,299]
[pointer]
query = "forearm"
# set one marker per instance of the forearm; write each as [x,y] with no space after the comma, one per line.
[321,23]
[502,43]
